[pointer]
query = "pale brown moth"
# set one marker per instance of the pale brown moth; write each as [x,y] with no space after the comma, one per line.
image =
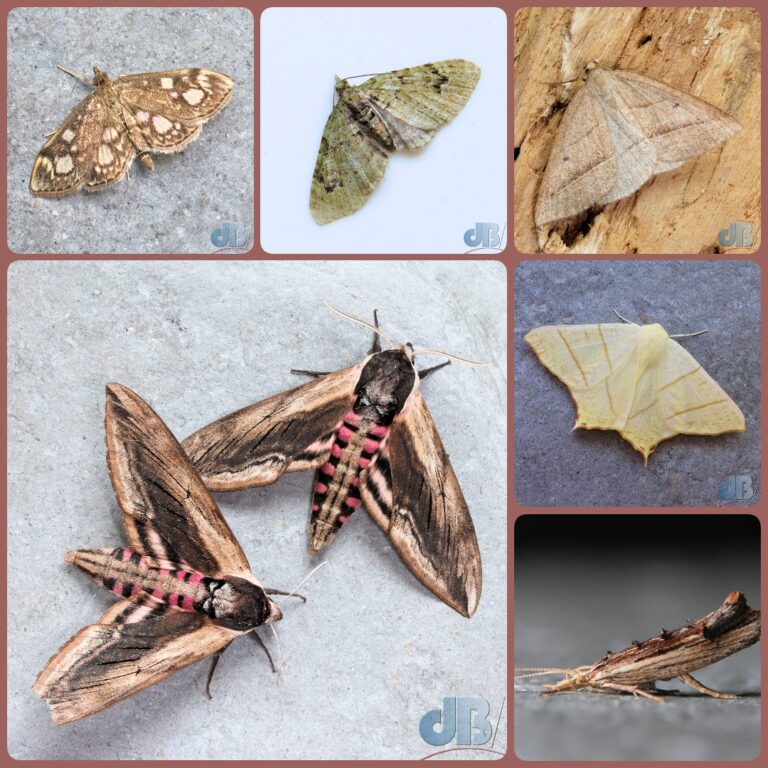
[671,654]
[186,589]
[133,115]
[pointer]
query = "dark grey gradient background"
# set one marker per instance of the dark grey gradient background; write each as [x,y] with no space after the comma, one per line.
[585,584]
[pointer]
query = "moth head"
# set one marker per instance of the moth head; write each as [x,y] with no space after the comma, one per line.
[339,84]
[99,77]
[241,605]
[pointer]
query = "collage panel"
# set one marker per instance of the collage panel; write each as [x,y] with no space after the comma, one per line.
[404,627]
[637,130]
[642,633]
[637,383]
[131,130]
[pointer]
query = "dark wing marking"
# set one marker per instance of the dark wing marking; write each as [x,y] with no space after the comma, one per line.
[413,494]
[105,663]
[288,432]
[167,510]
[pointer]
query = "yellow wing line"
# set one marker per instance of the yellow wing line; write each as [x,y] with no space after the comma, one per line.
[575,360]
[605,348]
[679,378]
[610,399]
[699,407]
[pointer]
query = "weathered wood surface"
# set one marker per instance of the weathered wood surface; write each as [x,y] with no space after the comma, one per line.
[711,53]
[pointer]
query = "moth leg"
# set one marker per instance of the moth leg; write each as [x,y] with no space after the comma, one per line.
[423,374]
[258,639]
[376,345]
[214,663]
[271,591]
[313,374]
[701,688]
[635,690]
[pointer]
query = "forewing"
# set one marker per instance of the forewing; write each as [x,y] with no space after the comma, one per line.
[423,98]
[413,494]
[107,662]
[166,110]
[91,149]
[678,125]
[167,510]
[348,168]
[288,432]
[581,168]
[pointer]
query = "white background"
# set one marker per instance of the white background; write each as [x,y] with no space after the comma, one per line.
[427,199]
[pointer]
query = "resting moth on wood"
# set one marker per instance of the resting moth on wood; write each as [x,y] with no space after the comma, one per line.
[133,115]
[672,653]
[368,433]
[186,587]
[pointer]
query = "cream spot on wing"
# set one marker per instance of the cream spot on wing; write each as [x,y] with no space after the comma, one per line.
[64,164]
[177,126]
[174,95]
[110,134]
[162,124]
[166,82]
[105,155]
[73,149]
[142,116]
[193,96]
[68,135]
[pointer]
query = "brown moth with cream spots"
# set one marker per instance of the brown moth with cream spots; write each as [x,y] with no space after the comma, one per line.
[133,115]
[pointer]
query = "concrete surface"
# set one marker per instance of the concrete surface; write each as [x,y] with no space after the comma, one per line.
[172,209]
[554,466]
[581,590]
[371,651]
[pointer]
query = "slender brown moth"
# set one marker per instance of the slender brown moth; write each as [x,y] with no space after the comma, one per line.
[368,433]
[186,587]
[670,654]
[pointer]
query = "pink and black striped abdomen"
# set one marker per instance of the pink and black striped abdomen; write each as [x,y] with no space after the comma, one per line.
[142,579]
[356,443]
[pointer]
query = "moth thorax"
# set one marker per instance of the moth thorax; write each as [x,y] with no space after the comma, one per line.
[600,80]
[653,340]
[384,385]
[238,604]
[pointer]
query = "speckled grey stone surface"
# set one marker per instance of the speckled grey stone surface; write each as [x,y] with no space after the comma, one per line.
[372,650]
[174,208]
[554,466]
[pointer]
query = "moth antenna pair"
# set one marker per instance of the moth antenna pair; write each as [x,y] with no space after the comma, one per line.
[80,79]
[671,336]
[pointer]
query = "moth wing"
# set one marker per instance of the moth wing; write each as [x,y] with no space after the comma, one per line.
[416,101]
[348,168]
[164,122]
[678,126]
[288,432]
[105,663]
[413,495]
[677,396]
[582,167]
[90,148]
[167,510]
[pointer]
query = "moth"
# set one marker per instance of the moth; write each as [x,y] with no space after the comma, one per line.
[637,380]
[133,115]
[389,112]
[617,132]
[185,587]
[367,432]
[671,654]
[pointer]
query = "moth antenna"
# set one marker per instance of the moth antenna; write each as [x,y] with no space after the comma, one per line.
[621,317]
[688,335]
[304,580]
[360,322]
[353,77]
[534,671]
[279,649]
[77,77]
[452,357]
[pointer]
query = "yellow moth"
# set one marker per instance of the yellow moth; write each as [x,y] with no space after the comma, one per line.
[637,380]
